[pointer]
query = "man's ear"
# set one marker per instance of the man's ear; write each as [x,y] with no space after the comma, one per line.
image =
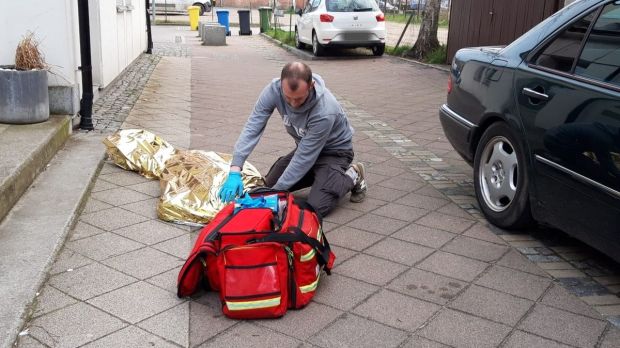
[312,84]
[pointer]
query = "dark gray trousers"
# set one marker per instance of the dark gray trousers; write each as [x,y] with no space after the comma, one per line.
[326,178]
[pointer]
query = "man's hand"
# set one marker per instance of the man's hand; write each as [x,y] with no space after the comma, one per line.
[233,186]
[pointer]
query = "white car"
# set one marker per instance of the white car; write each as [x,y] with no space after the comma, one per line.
[180,6]
[341,23]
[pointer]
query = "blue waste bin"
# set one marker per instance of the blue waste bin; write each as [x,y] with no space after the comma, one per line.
[222,18]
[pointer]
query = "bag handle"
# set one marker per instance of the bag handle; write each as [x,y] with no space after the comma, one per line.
[264,189]
[297,235]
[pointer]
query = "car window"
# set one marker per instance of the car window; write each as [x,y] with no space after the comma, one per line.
[351,5]
[560,53]
[600,58]
[312,5]
[308,7]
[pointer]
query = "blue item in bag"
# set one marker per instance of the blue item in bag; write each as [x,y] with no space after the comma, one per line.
[247,201]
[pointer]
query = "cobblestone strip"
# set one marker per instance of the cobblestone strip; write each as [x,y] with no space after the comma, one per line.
[579,273]
[112,108]
[456,186]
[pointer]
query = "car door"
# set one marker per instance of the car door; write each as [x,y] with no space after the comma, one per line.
[305,22]
[568,95]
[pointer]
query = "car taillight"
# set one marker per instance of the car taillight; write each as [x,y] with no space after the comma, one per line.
[326,18]
[380,17]
[449,83]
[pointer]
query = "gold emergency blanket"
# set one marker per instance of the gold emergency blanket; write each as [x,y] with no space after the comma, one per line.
[191,182]
[139,150]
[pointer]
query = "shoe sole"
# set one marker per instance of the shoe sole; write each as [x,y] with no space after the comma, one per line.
[360,196]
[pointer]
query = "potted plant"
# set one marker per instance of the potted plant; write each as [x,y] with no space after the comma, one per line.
[25,98]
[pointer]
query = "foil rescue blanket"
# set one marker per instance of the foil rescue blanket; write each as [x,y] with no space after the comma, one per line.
[190,180]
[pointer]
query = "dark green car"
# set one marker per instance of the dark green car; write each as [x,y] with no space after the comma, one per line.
[539,120]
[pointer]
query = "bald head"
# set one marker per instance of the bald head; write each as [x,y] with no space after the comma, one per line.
[294,73]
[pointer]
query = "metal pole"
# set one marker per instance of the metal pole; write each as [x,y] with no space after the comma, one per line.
[149,44]
[404,30]
[290,20]
[86,104]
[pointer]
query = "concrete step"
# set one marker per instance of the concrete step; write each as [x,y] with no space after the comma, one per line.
[35,229]
[25,150]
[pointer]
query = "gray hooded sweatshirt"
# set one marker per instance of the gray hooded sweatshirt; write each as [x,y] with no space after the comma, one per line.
[319,124]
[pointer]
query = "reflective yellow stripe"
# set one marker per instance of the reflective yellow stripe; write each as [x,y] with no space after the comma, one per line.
[308,256]
[239,306]
[319,234]
[310,287]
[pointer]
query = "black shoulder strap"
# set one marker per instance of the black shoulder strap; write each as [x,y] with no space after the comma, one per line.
[297,235]
[304,205]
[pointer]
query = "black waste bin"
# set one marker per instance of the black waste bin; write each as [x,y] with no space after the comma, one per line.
[244,22]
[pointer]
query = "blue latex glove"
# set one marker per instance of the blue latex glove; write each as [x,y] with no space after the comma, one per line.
[233,186]
[247,201]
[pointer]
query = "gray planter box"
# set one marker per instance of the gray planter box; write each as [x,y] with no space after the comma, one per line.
[24,97]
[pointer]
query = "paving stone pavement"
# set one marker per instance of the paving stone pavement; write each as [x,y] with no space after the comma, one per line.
[415,265]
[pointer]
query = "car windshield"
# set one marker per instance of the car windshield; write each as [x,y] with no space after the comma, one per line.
[351,5]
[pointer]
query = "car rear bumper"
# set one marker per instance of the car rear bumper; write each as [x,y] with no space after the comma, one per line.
[352,39]
[459,132]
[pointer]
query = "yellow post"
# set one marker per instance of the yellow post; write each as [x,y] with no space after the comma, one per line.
[194,15]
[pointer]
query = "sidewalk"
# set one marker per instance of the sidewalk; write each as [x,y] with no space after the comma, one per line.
[414,266]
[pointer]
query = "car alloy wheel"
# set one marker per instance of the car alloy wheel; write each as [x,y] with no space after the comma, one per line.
[498,173]
[202,8]
[501,178]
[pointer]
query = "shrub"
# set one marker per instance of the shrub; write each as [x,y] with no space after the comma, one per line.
[28,56]
[398,51]
[438,55]
[283,36]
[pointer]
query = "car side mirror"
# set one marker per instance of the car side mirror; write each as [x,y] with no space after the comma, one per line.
[298,11]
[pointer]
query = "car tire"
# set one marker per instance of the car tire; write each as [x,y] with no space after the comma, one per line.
[317,49]
[300,45]
[378,50]
[501,178]
[202,8]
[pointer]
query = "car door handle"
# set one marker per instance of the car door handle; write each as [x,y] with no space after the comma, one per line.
[534,94]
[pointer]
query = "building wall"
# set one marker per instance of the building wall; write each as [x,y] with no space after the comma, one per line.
[117,37]
[55,25]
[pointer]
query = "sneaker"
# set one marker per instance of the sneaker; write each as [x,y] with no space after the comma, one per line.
[358,192]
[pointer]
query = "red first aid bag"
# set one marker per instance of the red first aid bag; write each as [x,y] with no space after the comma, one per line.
[254,281]
[261,262]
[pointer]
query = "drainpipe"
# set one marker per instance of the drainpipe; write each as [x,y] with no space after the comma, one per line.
[86,104]
[149,48]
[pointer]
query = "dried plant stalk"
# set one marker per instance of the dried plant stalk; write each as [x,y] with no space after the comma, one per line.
[28,56]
